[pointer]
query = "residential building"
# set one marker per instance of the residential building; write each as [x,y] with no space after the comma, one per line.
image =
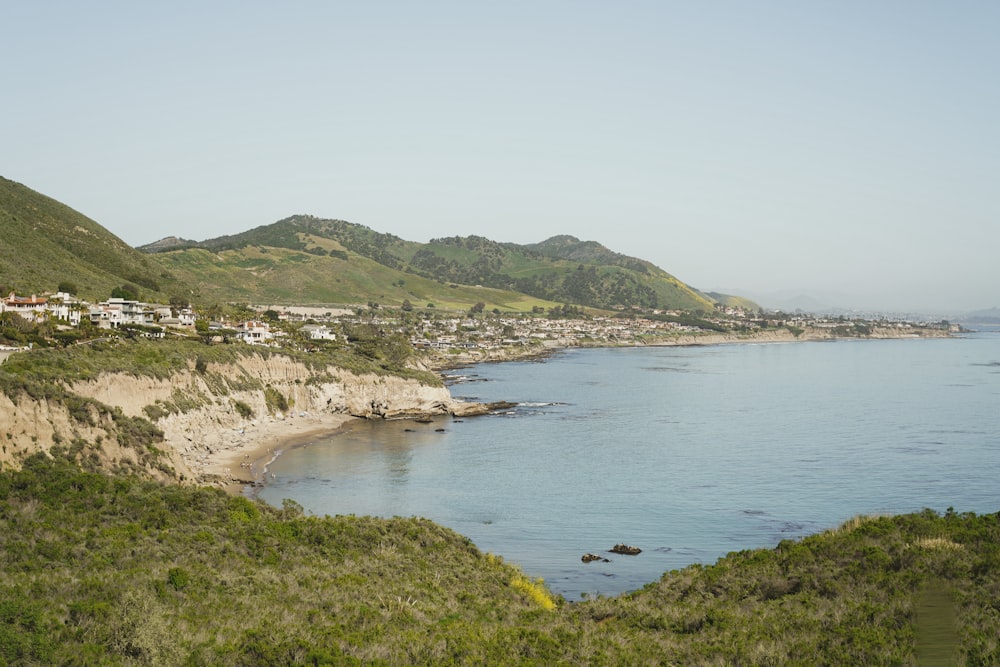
[31,308]
[255,333]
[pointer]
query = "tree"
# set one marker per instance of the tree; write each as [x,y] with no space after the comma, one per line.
[407,306]
[127,291]
[478,308]
[67,287]
[177,303]
[68,337]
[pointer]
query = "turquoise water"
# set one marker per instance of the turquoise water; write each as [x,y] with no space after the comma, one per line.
[687,453]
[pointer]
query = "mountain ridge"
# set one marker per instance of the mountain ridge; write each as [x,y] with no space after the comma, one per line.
[561,269]
[307,259]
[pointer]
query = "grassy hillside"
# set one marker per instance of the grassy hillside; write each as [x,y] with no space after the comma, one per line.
[115,570]
[304,259]
[46,242]
[369,265]
[561,269]
[268,274]
[733,301]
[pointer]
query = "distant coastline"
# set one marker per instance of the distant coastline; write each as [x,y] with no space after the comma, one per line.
[440,361]
[304,432]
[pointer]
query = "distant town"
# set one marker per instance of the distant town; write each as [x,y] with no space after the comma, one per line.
[68,320]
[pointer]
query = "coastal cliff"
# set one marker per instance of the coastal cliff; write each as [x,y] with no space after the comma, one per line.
[186,415]
[209,420]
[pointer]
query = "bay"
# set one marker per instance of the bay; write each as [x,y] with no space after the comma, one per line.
[686,452]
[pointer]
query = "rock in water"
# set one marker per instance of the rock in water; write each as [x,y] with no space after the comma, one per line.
[626,549]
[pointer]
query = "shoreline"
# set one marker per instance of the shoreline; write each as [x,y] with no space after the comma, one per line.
[244,465]
[262,458]
[438,362]
[256,458]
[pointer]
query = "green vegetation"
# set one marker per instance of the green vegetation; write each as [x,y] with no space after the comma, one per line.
[293,259]
[304,259]
[47,244]
[243,409]
[275,400]
[115,570]
[562,269]
[162,358]
[283,275]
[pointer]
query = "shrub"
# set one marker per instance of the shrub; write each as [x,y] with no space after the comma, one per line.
[243,409]
[178,578]
[275,400]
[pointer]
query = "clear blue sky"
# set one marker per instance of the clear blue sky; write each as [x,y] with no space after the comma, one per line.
[834,148]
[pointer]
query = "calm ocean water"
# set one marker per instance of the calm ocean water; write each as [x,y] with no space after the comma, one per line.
[688,453]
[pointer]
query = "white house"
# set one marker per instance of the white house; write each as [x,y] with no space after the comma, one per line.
[255,333]
[31,308]
[319,332]
[113,313]
[63,306]
[184,320]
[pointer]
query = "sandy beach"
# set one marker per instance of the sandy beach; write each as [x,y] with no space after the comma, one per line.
[255,446]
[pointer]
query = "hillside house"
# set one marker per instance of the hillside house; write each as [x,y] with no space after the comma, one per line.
[183,320]
[63,306]
[114,313]
[32,308]
[319,332]
[255,333]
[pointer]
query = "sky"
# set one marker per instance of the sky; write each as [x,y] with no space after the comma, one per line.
[848,151]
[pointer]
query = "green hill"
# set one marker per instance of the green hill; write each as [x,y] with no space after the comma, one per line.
[115,570]
[370,265]
[268,274]
[308,260]
[46,243]
[304,259]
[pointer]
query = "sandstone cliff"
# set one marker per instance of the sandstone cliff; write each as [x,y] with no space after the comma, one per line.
[208,415]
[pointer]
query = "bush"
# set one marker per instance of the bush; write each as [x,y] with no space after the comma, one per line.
[275,401]
[243,409]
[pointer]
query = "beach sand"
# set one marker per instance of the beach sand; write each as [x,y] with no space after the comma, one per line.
[244,462]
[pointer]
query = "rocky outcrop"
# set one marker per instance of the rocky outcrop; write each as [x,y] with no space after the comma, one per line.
[590,558]
[625,549]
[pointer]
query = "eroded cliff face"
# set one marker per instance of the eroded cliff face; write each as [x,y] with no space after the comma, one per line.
[216,408]
[96,437]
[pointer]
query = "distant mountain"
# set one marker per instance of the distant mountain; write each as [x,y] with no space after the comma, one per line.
[305,259]
[46,243]
[168,243]
[987,316]
[562,269]
[308,260]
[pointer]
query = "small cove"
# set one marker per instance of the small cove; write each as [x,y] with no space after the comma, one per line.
[688,453]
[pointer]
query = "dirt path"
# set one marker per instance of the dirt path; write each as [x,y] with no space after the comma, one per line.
[936,628]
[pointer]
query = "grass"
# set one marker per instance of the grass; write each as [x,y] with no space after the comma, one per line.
[50,370]
[46,242]
[284,275]
[116,570]
[290,261]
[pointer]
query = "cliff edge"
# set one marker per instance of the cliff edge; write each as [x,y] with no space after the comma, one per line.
[208,419]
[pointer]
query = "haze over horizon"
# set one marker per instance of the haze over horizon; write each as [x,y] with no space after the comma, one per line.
[849,149]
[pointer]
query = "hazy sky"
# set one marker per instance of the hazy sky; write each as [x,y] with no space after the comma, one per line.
[846,148]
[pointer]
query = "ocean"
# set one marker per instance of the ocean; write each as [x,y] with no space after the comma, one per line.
[688,453]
